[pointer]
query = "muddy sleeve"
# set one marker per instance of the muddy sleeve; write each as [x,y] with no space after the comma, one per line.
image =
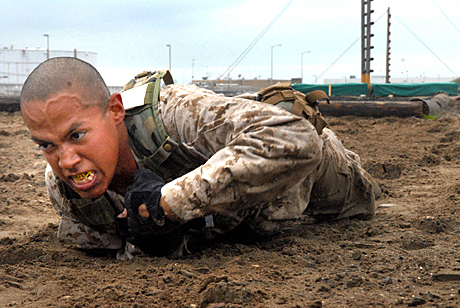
[70,228]
[255,151]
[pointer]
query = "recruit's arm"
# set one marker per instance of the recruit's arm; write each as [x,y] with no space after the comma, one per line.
[255,151]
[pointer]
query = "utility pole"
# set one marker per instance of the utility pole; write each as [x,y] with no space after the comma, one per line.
[366,42]
[387,80]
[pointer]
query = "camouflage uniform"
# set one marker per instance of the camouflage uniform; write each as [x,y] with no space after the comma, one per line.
[262,165]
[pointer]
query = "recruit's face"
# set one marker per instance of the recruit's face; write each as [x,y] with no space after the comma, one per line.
[81,143]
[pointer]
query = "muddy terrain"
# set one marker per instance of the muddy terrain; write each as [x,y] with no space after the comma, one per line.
[407,256]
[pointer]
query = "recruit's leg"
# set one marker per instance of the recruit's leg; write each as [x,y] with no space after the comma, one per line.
[342,188]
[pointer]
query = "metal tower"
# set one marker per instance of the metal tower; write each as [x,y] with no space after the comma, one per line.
[366,41]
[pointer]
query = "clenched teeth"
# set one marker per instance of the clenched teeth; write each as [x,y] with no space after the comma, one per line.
[83,177]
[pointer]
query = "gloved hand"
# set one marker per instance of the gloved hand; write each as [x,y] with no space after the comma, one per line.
[146,190]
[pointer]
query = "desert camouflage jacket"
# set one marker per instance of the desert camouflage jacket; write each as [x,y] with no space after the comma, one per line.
[257,163]
[247,153]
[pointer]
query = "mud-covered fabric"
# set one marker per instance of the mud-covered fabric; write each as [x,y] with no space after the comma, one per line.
[72,229]
[96,213]
[262,166]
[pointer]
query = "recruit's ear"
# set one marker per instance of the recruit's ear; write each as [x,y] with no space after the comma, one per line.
[116,108]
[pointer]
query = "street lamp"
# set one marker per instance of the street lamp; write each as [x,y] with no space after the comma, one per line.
[271,80]
[47,46]
[301,65]
[193,68]
[169,46]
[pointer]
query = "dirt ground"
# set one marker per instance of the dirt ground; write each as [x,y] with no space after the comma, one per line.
[406,256]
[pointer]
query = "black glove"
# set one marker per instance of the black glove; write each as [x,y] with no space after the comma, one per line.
[146,190]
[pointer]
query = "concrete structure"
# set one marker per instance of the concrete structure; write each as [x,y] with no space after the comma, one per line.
[16,65]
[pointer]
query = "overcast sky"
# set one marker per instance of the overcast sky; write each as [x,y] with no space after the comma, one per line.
[131,36]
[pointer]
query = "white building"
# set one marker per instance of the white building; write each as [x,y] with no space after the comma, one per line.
[17,64]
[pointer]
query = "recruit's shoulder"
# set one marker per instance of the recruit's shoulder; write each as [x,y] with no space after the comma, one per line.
[180,91]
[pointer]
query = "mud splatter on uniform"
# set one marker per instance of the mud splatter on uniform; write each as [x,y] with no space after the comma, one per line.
[263,166]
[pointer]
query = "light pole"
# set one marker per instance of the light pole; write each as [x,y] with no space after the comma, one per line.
[47,46]
[301,65]
[271,80]
[407,71]
[169,46]
[193,68]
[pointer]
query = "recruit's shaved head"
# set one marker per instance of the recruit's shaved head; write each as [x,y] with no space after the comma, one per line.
[65,74]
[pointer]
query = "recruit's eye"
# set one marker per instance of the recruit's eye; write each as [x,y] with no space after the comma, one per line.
[77,135]
[45,146]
